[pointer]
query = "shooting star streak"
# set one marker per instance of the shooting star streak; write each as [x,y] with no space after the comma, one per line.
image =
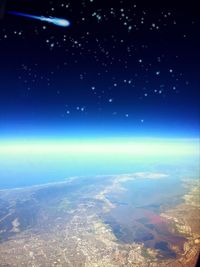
[56,21]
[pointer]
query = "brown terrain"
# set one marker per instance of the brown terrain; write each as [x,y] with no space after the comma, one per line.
[68,229]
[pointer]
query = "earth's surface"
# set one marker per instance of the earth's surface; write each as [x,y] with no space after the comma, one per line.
[138,219]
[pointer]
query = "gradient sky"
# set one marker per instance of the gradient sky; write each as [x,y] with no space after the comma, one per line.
[122,68]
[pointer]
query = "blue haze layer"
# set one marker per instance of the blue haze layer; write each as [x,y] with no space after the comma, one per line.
[26,169]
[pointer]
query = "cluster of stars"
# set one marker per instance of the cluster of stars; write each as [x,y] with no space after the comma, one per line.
[112,51]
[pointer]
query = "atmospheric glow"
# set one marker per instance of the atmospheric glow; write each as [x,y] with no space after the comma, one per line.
[136,148]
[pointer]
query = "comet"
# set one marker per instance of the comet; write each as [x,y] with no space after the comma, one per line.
[56,21]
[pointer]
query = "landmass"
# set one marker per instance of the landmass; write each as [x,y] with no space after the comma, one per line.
[101,221]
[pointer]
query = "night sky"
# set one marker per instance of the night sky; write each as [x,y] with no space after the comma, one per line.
[122,68]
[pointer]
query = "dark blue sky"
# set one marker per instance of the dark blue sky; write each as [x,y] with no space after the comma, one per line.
[121,68]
